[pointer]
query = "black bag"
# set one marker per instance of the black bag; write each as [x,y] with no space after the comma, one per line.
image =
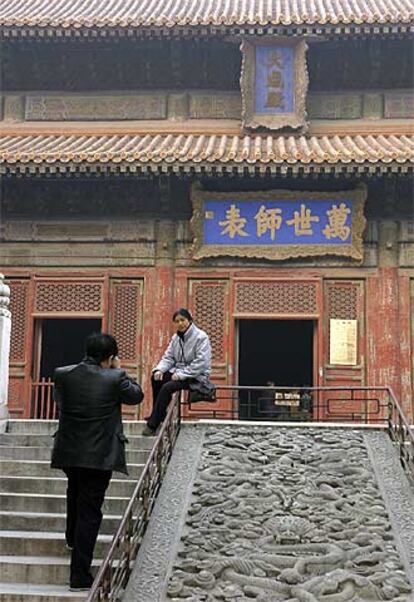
[201,392]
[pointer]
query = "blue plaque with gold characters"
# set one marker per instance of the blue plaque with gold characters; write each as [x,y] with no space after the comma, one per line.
[278,224]
[274,83]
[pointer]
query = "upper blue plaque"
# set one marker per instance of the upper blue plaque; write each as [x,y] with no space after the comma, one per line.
[274,79]
[274,83]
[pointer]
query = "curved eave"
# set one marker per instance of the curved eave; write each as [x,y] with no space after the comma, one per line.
[110,31]
[210,153]
[203,167]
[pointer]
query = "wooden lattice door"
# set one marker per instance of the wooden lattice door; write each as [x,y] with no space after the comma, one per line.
[125,323]
[208,301]
[19,347]
[344,300]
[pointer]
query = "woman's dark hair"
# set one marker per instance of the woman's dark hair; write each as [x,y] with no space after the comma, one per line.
[183,312]
[100,346]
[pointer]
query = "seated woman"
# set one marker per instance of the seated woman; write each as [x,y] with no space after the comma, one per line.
[186,359]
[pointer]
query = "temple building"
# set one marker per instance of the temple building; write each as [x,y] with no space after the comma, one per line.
[252,161]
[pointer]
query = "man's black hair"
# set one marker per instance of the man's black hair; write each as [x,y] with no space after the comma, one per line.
[100,346]
[183,312]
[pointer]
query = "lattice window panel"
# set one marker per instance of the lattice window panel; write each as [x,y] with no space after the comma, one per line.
[208,310]
[59,297]
[18,306]
[343,302]
[126,316]
[276,298]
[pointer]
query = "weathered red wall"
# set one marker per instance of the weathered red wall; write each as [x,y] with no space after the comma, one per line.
[380,301]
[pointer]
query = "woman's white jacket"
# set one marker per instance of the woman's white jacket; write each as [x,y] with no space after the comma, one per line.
[188,357]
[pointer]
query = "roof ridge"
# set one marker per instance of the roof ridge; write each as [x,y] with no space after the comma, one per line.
[195,13]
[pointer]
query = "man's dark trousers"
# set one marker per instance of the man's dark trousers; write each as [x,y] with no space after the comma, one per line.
[84,498]
[162,391]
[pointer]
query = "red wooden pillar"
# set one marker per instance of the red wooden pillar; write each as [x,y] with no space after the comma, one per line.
[406,310]
[157,331]
[383,330]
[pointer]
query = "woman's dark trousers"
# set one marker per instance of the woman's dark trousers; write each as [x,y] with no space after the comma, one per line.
[84,498]
[162,391]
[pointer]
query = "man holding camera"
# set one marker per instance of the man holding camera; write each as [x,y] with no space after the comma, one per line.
[90,443]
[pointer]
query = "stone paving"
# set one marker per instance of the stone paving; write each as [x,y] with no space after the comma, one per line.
[268,513]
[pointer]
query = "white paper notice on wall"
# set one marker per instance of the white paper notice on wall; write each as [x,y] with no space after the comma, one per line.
[343,342]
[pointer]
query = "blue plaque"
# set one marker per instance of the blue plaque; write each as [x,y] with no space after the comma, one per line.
[278,224]
[274,83]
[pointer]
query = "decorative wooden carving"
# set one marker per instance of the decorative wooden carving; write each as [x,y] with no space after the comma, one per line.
[19,307]
[126,317]
[62,108]
[209,311]
[13,108]
[215,106]
[271,297]
[399,105]
[19,310]
[274,83]
[373,106]
[69,297]
[209,304]
[125,323]
[334,106]
[342,302]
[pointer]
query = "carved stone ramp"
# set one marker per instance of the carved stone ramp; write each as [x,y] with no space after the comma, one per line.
[34,562]
[268,513]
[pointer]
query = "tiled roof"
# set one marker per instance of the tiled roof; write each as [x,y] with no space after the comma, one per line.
[170,13]
[220,152]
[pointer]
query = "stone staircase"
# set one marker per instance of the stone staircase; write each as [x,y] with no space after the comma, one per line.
[34,562]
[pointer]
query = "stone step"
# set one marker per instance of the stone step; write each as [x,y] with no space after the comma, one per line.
[131,427]
[37,569]
[39,543]
[38,502]
[57,485]
[133,456]
[48,521]
[42,469]
[33,592]
[46,440]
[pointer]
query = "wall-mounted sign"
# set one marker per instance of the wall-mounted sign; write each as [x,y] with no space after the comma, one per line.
[274,82]
[278,224]
[343,342]
[287,399]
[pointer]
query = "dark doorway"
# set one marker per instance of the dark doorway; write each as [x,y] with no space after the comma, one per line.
[274,350]
[62,342]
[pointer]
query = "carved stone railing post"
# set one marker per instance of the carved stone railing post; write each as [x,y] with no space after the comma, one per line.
[5,329]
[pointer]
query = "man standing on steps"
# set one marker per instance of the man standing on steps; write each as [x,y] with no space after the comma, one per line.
[90,443]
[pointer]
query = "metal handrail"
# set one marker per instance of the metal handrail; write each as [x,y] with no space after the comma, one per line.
[114,572]
[356,405]
[401,434]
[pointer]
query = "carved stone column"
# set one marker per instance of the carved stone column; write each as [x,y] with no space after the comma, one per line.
[5,329]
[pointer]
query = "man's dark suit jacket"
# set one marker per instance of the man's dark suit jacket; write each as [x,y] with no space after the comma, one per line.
[90,432]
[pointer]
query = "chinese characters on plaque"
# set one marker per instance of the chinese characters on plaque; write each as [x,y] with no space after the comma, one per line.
[274,79]
[274,83]
[278,224]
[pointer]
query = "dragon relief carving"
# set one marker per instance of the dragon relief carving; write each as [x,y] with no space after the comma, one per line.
[286,515]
